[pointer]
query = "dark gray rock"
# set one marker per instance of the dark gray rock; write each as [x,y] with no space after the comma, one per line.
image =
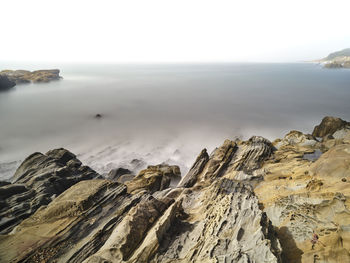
[37,181]
[116,173]
[328,126]
[6,83]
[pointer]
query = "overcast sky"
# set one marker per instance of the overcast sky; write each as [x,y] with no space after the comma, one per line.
[172,31]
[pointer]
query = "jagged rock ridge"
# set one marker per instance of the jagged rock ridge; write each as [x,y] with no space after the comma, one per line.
[249,201]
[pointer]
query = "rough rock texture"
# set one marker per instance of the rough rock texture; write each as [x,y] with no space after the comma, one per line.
[25,76]
[329,125]
[219,223]
[155,178]
[249,201]
[191,177]
[214,219]
[37,181]
[6,83]
[303,196]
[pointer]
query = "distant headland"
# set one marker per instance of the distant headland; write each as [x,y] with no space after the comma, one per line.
[11,78]
[338,59]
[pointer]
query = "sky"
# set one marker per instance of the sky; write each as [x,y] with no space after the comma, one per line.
[128,31]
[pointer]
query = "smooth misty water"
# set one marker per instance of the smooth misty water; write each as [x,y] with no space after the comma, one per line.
[163,113]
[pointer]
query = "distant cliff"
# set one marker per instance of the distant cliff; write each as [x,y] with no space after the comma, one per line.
[339,59]
[25,76]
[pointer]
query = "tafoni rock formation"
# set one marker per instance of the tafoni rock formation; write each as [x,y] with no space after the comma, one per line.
[248,201]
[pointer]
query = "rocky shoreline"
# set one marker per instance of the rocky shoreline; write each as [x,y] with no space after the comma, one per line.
[10,78]
[248,201]
[335,60]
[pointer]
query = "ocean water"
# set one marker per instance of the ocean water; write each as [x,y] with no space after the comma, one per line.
[162,113]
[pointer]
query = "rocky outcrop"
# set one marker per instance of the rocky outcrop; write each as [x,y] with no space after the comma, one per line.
[148,219]
[25,76]
[303,196]
[248,201]
[220,223]
[120,175]
[6,83]
[329,125]
[339,59]
[155,178]
[37,181]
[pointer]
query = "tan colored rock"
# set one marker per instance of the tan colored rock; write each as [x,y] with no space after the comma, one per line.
[25,76]
[249,201]
[154,178]
[302,196]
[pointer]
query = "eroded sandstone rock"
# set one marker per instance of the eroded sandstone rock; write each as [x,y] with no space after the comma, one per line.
[302,196]
[249,201]
[155,178]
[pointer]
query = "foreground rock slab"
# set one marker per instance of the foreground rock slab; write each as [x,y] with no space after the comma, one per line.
[37,181]
[248,201]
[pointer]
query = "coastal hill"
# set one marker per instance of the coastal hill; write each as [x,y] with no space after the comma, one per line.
[339,59]
[10,78]
[341,53]
[248,201]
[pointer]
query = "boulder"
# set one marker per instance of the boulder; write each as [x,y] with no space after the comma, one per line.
[329,125]
[155,178]
[6,83]
[115,174]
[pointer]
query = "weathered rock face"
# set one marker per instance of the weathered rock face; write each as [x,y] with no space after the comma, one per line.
[302,196]
[215,218]
[329,125]
[249,201]
[220,223]
[38,180]
[120,175]
[155,178]
[240,159]
[24,76]
[6,83]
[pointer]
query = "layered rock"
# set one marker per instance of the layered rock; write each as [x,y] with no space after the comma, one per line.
[248,201]
[25,76]
[213,218]
[220,223]
[37,181]
[155,178]
[120,175]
